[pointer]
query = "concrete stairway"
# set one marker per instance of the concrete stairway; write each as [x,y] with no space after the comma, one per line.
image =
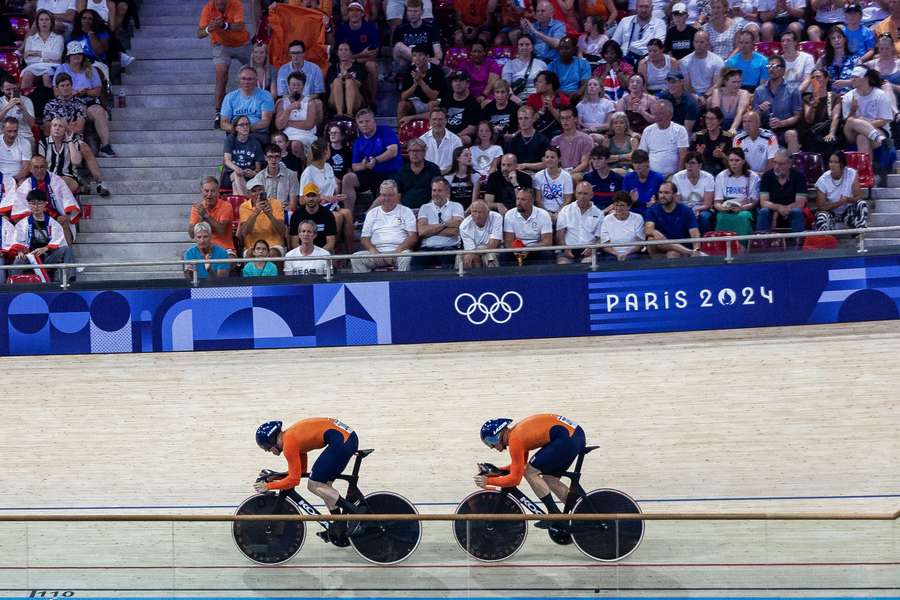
[886,213]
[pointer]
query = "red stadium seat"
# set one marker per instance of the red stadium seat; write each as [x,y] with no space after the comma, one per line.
[27,278]
[714,248]
[810,165]
[862,162]
[21,26]
[819,242]
[766,245]
[87,211]
[454,57]
[814,48]
[411,130]
[768,49]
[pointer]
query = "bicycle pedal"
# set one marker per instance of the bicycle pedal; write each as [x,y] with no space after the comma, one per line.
[324,536]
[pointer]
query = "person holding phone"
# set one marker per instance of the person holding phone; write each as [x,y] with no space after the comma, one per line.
[262,220]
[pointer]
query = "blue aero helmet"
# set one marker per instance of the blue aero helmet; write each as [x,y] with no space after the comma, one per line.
[267,434]
[490,431]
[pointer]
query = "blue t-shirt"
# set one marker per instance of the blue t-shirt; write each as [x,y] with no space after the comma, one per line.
[570,75]
[645,190]
[753,71]
[860,41]
[542,49]
[88,49]
[365,37]
[80,81]
[193,253]
[237,104]
[383,137]
[675,225]
[603,188]
[315,83]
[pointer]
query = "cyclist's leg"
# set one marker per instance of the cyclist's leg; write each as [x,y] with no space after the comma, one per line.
[576,445]
[556,456]
[329,465]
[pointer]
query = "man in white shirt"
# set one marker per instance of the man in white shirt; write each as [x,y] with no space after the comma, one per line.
[759,145]
[438,224]
[388,228]
[578,223]
[14,104]
[306,231]
[15,154]
[439,141]
[701,68]
[634,31]
[315,82]
[666,142]
[482,229]
[528,225]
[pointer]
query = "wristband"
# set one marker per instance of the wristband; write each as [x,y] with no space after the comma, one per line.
[227,26]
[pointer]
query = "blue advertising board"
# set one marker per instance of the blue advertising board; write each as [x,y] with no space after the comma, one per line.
[451,309]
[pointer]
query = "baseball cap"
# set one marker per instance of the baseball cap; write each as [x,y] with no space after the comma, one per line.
[859,72]
[421,49]
[310,189]
[459,76]
[356,6]
[853,8]
[674,76]
[679,7]
[75,47]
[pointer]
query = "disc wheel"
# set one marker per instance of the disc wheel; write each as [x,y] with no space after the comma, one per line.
[608,541]
[268,542]
[490,541]
[388,542]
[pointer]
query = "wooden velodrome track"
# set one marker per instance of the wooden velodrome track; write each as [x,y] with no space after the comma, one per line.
[753,420]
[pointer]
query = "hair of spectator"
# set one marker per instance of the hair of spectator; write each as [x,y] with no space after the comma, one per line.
[490,127]
[37,156]
[298,75]
[600,152]
[263,242]
[295,43]
[438,109]
[365,112]
[716,111]
[554,150]
[783,153]
[208,179]
[389,183]
[237,119]
[614,46]
[273,149]
[551,78]
[7,78]
[597,22]
[11,121]
[842,158]
[777,59]
[43,11]
[671,185]
[480,203]
[740,153]
[828,57]
[317,150]
[201,227]
[621,116]
[663,103]
[790,34]
[823,72]
[728,73]
[527,109]
[639,76]
[656,42]
[247,68]
[476,42]
[309,222]
[419,142]
[60,78]
[569,40]
[502,84]
[639,157]
[36,195]
[745,32]
[874,78]
[695,156]
[440,180]
[527,191]
[414,3]
[568,109]
[59,121]
[510,156]
[99,24]
[454,164]
[621,196]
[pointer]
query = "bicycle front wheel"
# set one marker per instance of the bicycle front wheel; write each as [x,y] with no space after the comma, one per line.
[490,541]
[268,542]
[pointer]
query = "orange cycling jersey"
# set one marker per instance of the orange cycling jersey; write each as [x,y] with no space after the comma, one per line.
[528,434]
[300,438]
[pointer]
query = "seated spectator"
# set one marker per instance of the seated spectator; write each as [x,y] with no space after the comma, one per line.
[838,60]
[439,141]
[752,65]
[345,79]
[577,224]
[867,111]
[552,184]
[485,153]
[88,88]
[614,71]
[481,230]
[529,225]
[215,212]
[279,182]
[364,40]
[680,35]
[637,104]
[521,71]
[207,251]
[340,155]
[94,36]
[306,236]
[572,71]
[62,11]
[784,17]
[251,102]
[464,181]
[500,112]
[389,228]
[604,181]
[528,144]
[14,104]
[261,219]
[547,101]
[821,115]
[594,110]
[860,39]
[839,197]
[642,183]
[243,156]
[62,204]
[545,31]
[259,266]
[666,142]
[15,154]
[414,32]
[797,65]
[887,63]
[759,145]
[288,158]
[621,141]
[321,173]
[621,226]
[43,51]
[422,83]
[696,188]
[415,177]
[634,32]
[313,82]
[656,67]
[483,72]
[438,224]
[684,108]
[713,143]
[311,210]
[730,99]
[574,146]
[500,190]
[721,28]
[737,194]
[590,43]
[297,115]
[780,104]
[65,106]
[41,236]
[782,194]
[266,75]
[890,25]
[65,152]
[223,22]
[376,157]
[701,68]
[463,111]
[669,219]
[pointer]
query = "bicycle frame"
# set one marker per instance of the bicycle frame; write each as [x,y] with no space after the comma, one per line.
[575,489]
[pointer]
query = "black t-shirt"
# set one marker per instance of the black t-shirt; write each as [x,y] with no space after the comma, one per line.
[704,146]
[680,43]
[461,113]
[434,78]
[40,235]
[357,71]
[340,161]
[325,225]
[528,150]
[415,189]
[461,189]
[244,154]
[502,190]
[413,36]
[783,194]
[503,120]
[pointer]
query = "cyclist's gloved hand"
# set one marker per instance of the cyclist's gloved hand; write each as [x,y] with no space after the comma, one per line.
[488,469]
[481,481]
[260,487]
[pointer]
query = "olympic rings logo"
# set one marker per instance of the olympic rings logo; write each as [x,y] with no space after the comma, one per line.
[488,305]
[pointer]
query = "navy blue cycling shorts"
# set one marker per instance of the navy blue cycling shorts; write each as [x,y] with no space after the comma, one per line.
[334,457]
[560,452]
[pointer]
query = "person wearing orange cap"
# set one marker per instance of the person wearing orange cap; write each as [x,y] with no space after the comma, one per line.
[311,209]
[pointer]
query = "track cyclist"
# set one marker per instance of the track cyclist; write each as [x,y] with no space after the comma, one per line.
[560,441]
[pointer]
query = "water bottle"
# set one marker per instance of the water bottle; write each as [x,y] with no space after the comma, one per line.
[121,100]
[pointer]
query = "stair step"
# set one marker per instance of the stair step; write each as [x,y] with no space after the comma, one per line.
[180,9]
[162,20]
[177,125]
[172,137]
[882,234]
[206,76]
[886,193]
[146,174]
[159,162]
[171,64]
[139,251]
[147,191]
[106,275]
[177,49]
[169,89]
[97,226]
[133,237]
[160,114]
[138,150]
[885,220]
[154,31]
[147,198]
[202,102]
[880,242]
[888,205]
[137,213]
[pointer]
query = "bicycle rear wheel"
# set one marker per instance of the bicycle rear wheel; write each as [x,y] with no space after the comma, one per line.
[268,542]
[388,542]
[607,540]
[490,541]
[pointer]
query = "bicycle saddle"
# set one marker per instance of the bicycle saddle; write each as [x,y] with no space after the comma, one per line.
[491,470]
[365,453]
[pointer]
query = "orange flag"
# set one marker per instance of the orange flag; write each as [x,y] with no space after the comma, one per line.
[297,23]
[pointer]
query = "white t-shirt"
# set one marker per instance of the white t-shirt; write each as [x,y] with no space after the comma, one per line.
[758,152]
[433,215]
[741,188]
[18,114]
[517,69]
[701,71]
[797,70]
[441,154]
[474,237]
[552,190]
[875,105]
[529,230]
[692,194]
[663,146]
[387,230]
[11,157]
[306,267]
[51,50]
[581,227]
[834,190]
[631,230]
[57,7]
[482,159]
[323,178]
[592,114]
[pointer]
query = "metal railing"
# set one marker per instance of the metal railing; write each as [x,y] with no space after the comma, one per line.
[460,268]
